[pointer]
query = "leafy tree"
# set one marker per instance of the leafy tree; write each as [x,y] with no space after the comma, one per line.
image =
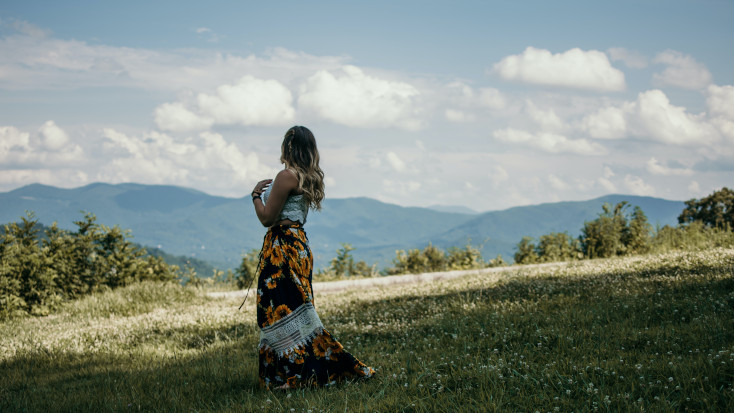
[343,264]
[637,238]
[466,258]
[247,270]
[557,246]
[604,236]
[715,210]
[526,253]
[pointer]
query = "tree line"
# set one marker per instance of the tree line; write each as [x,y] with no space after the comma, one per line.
[703,223]
[39,270]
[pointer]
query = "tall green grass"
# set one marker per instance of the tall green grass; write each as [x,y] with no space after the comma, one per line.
[647,333]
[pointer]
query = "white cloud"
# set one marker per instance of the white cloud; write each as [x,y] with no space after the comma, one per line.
[720,101]
[630,58]
[31,59]
[574,68]
[356,99]
[53,137]
[394,160]
[201,30]
[694,187]
[250,101]
[546,119]
[650,117]
[655,117]
[607,185]
[557,183]
[637,186]
[49,149]
[207,160]
[655,168]
[12,139]
[607,123]
[682,71]
[549,142]
[608,172]
[176,118]
[458,116]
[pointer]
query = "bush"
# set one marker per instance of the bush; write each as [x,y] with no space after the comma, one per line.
[35,278]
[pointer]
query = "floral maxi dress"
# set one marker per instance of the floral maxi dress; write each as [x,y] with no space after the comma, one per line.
[295,348]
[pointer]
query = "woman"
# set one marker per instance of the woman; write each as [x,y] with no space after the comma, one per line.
[295,348]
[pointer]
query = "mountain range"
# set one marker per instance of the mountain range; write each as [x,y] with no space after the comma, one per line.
[189,222]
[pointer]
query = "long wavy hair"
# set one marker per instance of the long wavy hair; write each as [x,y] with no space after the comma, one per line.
[299,154]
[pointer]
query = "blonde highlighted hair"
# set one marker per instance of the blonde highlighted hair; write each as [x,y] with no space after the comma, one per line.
[299,154]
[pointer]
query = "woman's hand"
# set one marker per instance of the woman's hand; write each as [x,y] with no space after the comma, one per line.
[260,187]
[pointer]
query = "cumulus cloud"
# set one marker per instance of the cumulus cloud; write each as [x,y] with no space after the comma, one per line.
[574,68]
[204,161]
[356,99]
[630,58]
[394,160]
[176,117]
[546,119]
[655,168]
[637,186]
[549,142]
[650,117]
[654,116]
[607,123]
[467,104]
[47,156]
[249,101]
[720,102]
[682,71]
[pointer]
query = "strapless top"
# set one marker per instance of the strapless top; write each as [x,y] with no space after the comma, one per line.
[295,207]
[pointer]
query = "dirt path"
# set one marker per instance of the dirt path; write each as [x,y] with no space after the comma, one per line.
[326,287]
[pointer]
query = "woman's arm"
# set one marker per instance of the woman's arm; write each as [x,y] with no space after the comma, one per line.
[285,182]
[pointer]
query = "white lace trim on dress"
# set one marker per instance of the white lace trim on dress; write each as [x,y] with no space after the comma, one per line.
[296,329]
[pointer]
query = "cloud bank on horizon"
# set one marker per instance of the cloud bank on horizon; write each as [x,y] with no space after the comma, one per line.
[536,125]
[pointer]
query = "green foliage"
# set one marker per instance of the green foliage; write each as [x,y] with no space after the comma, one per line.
[35,278]
[247,270]
[694,236]
[467,258]
[526,251]
[715,210]
[558,246]
[432,259]
[614,335]
[343,266]
[604,237]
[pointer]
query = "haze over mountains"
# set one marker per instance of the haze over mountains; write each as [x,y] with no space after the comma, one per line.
[188,222]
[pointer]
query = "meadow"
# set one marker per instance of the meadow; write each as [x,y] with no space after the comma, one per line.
[637,333]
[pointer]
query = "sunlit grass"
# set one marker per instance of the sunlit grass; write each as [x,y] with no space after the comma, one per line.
[653,333]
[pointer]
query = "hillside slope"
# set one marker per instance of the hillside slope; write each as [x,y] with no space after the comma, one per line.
[188,222]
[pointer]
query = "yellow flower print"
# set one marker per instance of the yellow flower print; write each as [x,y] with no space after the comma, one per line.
[280,312]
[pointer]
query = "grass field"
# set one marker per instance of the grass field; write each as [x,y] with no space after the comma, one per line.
[650,333]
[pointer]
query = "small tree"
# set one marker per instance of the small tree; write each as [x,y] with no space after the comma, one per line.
[526,251]
[247,270]
[715,210]
[637,238]
[603,237]
[557,246]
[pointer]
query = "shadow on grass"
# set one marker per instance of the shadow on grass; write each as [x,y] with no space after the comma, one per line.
[216,368]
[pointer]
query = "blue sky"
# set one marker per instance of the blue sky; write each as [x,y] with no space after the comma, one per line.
[481,104]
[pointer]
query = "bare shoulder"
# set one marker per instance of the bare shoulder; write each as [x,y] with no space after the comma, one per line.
[287,178]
